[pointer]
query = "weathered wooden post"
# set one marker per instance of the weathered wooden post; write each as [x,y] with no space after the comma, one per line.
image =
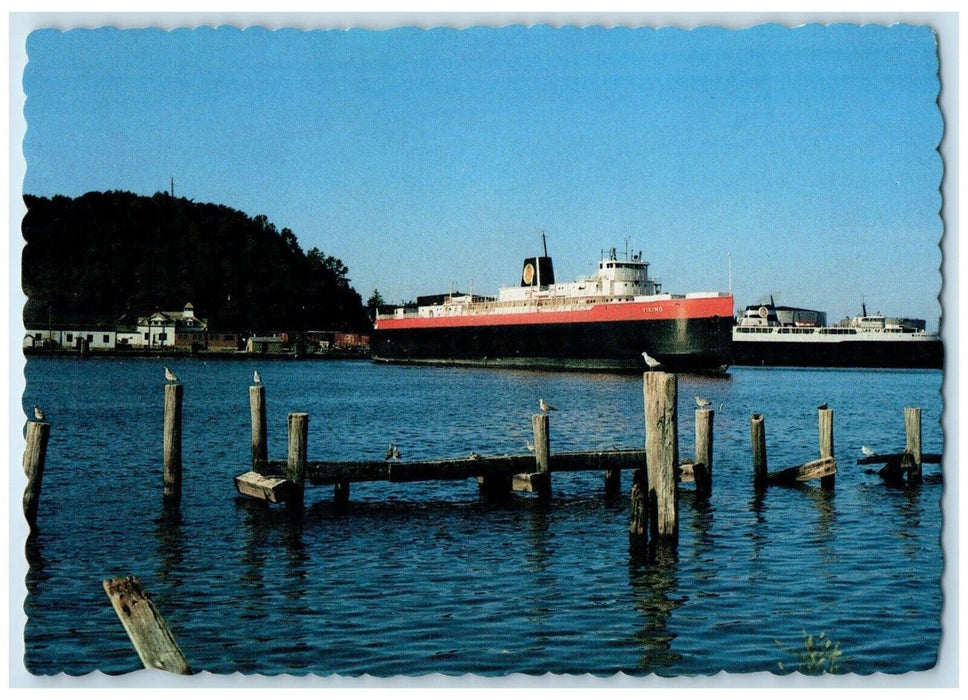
[613,481]
[173,443]
[704,451]
[542,452]
[257,411]
[639,521]
[912,446]
[826,430]
[341,493]
[145,626]
[298,454]
[662,453]
[35,455]
[758,438]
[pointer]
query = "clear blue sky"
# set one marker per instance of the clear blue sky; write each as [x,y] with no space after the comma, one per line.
[424,159]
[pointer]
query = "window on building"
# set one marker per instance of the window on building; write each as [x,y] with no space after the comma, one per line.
[105,338]
[70,337]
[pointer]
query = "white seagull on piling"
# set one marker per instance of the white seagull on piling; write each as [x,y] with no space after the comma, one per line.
[170,376]
[868,452]
[701,402]
[527,443]
[256,378]
[650,361]
[38,414]
[545,406]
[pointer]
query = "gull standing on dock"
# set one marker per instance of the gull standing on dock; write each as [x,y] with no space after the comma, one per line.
[545,406]
[256,378]
[170,376]
[389,453]
[650,361]
[822,407]
[868,452]
[39,414]
[701,402]
[527,443]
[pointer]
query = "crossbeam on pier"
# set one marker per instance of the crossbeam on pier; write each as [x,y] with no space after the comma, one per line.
[323,473]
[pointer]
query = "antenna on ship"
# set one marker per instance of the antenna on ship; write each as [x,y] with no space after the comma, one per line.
[544,243]
[729,257]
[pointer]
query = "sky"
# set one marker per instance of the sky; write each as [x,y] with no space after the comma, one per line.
[798,162]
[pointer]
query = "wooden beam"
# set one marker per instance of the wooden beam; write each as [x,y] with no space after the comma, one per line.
[145,626]
[322,473]
[273,489]
[817,469]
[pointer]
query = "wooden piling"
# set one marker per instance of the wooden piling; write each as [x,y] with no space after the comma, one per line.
[341,493]
[35,455]
[613,481]
[295,470]
[172,443]
[758,438]
[825,421]
[639,521]
[662,453]
[146,628]
[704,450]
[912,446]
[542,452]
[257,411]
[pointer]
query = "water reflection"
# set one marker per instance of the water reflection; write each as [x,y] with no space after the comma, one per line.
[654,583]
[168,533]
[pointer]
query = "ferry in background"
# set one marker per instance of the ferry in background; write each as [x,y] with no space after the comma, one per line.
[603,322]
[785,336]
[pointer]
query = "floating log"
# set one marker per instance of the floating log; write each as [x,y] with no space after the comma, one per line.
[145,626]
[172,443]
[35,456]
[273,489]
[662,453]
[817,469]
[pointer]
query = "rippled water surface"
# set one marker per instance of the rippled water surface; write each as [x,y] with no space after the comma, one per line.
[422,578]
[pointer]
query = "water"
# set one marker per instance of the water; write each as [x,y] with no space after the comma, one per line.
[423,578]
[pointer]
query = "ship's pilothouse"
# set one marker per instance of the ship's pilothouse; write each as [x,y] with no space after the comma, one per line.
[614,279]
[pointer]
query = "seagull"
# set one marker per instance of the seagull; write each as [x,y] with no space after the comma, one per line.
[650,361]
[170,376]
[701,402]
[256,378]
[868,452]
[389,453]
[527,443]
[38,414]
[396,452]
[822,407]
[545,406]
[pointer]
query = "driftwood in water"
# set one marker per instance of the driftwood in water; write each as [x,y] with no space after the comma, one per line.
[817,469]
[145,626]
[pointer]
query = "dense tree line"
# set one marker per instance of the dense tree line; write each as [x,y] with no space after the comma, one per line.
[105,255]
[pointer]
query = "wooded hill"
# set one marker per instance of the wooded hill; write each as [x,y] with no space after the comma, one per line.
[107,254]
